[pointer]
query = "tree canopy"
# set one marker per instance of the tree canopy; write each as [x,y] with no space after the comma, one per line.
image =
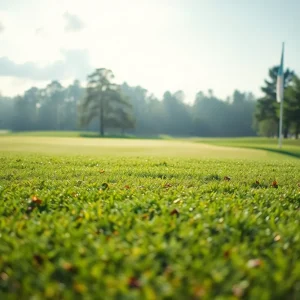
[267,109]
[106,107]
[105,101]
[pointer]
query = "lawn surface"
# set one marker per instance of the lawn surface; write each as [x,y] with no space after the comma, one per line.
[291,147]
[51,145]
[131,219]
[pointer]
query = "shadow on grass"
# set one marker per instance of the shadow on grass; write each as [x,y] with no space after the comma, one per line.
[133,137]
[279,151]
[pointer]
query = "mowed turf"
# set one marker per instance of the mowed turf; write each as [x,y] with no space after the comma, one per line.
[128,147]
[291,147]
[117,219]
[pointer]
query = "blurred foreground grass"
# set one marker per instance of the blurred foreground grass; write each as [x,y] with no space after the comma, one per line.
[131,219]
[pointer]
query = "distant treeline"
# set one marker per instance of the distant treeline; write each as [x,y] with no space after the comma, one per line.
[58,108]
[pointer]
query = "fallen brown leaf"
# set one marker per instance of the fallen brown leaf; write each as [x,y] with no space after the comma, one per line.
[174,212]
[275,184]
[227,254]
[38,259]
[36,200]
[69,267]
[134,283]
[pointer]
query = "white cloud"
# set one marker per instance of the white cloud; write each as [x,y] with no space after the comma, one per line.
[75,64]
[73,22]
[12,86]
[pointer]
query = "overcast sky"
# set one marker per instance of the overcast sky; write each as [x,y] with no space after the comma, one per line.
[159,44]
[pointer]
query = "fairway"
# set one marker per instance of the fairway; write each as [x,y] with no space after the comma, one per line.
[88,218]
[127,147]
[290,147]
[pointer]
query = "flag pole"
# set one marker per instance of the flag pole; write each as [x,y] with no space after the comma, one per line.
[280,123]
[280,95]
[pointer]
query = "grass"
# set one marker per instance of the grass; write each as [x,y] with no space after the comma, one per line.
[127,147]
[85,134]
[42,133]
[118,219]
[290,147]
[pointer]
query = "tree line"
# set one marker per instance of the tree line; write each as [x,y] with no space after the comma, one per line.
[266,118]
[109,108]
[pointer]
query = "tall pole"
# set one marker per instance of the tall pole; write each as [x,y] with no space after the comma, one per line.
[280,123]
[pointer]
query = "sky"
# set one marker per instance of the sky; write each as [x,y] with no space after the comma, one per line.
[161,45]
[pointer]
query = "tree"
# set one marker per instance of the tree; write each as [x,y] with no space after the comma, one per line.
[267,128]
[137,96]
[177,120]
[293,104]
[124,119]
[32,99]
[241,112]
[267,108]
[73,95]
[51,106]
[22,115]
[104,101]
[210,115]
[6,112]
[102,105]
